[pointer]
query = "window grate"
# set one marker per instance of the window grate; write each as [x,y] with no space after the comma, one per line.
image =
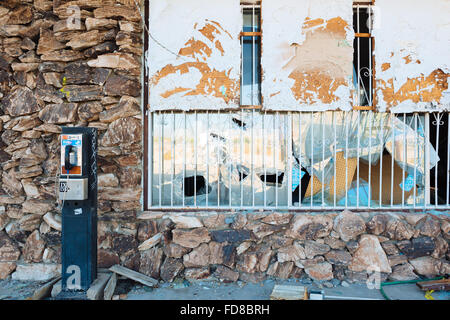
[330,160]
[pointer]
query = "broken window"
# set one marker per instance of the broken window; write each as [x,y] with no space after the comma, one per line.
[251,51]
[249,159]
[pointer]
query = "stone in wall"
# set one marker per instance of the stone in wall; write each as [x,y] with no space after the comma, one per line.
[370,256]
[349,225]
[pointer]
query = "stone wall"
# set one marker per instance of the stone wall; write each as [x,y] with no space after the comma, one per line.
[253,246]
[56,72]
[65,63]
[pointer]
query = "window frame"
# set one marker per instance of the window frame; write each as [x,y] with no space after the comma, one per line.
[255,5]
[358,36]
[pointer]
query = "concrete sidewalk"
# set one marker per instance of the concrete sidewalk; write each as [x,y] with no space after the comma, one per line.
[214,290]
[207,290]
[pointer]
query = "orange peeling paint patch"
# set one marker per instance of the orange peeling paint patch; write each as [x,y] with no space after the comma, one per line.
[209,30]
[172,92]
[419,89]
[317,72]
[385,66]
[335,25]
[309,87]
[308,24]
[212,82]
[407,59]
[219,46]
[194,47]
[274,94]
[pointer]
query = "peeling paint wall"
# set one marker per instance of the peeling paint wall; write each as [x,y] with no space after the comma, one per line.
[412,47]
[307,58]
[194,54]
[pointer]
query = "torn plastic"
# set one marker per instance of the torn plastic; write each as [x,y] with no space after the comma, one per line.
[318,137]
[254,173]
[322,135]
[240,158]
[186,171]
[408,146]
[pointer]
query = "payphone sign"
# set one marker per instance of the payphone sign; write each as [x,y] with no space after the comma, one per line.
[74,140]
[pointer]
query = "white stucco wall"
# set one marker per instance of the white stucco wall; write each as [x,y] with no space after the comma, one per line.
[307,62]
[195,61]
[412,55]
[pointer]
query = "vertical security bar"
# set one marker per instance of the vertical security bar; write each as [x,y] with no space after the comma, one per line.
[404,157]
[240,170]
[381,160]
[323,159]
[335,154]
[300,115]
[207,158]
[264,156]
[392,159]
[369,10]
[161,158]
[357,159]
[312,159]
[448,159]
[230,160]
[289,159]
[427,160]
[219,143]
[346,159]
[370,157]
[173,159]
[252,158]
[438,122]
[416,144]
[150,155]
[274,158]
[195,154]
[184,160]
[359,58]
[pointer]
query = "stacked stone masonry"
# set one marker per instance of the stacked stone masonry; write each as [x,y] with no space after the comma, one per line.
[55,72]
[65,63]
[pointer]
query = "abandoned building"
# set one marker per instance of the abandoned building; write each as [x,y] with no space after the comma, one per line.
[237,140]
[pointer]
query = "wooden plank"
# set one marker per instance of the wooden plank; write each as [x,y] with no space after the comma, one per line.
[95,291]
[110,287]
[57,288]
[439,285]
[133,275]
[45,290]
[284,292]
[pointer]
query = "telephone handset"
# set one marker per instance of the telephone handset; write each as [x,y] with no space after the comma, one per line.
[73,181]
[70,157]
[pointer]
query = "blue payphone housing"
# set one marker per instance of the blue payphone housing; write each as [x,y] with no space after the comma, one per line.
[78,195]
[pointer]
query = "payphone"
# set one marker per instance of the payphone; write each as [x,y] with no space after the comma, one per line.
[78,195]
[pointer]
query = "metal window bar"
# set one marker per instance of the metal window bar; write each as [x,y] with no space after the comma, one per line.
[402,160]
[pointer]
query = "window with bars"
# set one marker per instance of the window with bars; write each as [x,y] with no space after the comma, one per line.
[251,53]
[363,57]
[253,159]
